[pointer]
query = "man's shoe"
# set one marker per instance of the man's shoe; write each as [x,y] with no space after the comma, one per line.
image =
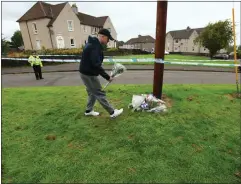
[116,113]
[41,78]
[92,113]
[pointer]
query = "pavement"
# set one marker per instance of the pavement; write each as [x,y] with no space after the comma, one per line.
[70,67]
[130,77]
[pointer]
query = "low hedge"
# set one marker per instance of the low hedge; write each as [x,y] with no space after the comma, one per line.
[77,52]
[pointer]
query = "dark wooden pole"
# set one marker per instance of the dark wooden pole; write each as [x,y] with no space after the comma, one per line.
[161,20]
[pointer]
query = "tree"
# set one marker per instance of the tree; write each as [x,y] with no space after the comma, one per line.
[5,45]
[17,39]
[74,5]
[216,36]
[230,48]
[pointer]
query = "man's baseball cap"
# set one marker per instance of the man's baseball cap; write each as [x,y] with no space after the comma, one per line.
[106,32]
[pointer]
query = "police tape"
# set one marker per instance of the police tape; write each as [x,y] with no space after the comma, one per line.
[204,60]
[135,60]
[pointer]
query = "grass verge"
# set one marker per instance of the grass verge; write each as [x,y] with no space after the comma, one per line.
[46,138]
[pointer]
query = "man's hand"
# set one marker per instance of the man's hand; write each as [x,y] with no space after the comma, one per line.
[111,79]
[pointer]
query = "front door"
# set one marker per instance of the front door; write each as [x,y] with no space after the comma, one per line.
[38,45]
[60,42]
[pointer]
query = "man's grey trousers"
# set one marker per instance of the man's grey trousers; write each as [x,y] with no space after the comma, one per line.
[94,90]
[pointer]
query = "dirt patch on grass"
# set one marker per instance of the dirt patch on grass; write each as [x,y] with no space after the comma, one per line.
[130,137]
[18,128]
[21,127]
[232,96]
[197,148]
[132,170]
[192,98]
[238,174]
[167,100]
[74,146]
[51,137]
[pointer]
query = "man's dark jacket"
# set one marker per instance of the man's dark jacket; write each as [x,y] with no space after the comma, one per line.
[92,59]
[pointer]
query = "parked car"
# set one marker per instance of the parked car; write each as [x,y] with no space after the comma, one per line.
[221,56]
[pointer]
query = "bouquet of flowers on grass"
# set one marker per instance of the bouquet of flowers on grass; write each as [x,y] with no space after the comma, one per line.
[117,70]
[147,103]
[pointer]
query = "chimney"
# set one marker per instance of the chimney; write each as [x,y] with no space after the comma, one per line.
[139,36]
[75,8]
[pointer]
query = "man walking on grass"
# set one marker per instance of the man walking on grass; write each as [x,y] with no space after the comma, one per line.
[90,68]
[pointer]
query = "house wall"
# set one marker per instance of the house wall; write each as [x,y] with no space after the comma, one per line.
[60,28]
[80,32]
[194,48]
[148,46]
[85,32]
[169,43]
[42,34]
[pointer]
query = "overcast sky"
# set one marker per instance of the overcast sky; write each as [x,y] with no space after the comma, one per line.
[133,18]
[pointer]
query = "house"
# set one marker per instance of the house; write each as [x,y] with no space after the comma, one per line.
[60,26]
[146,43]
[183,41]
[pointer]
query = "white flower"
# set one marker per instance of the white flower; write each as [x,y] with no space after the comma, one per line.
[117,70]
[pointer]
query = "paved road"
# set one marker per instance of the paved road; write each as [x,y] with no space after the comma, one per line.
[130,77]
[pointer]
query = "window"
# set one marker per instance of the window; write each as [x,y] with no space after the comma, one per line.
[84,28]
[72,44]
[70,25]
[35,30]
[93,30]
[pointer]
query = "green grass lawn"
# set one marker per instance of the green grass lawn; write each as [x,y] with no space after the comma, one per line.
[171,58]
[46,138]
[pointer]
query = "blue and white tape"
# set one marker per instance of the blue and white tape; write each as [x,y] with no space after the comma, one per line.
[182,62]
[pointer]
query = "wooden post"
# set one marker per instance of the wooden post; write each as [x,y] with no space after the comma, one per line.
[161,20]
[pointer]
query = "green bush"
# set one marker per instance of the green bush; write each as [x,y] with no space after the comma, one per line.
[112,49]
[76,51]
